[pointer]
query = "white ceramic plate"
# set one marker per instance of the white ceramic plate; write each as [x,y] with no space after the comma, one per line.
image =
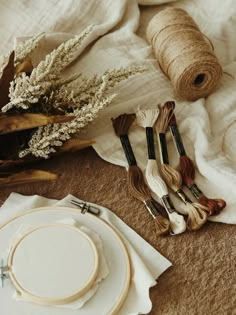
[112,291]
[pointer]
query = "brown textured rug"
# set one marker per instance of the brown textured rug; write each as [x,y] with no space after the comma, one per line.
[202,279]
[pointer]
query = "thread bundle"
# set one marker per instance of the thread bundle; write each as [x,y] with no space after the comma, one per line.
[147,119]
[163,118]
[185,56]
[136,183]
[187,169]
[196,213]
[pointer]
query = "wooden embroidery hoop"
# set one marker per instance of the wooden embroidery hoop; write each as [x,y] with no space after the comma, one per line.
[25,293]
[117,305]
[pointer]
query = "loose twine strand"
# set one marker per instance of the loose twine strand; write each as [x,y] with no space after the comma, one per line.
[183,54]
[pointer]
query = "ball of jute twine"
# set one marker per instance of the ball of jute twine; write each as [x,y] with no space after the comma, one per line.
[184,54]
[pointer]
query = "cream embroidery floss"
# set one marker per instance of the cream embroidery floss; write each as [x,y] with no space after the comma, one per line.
[196,213]
[136,183]
[184,54]
[147,119]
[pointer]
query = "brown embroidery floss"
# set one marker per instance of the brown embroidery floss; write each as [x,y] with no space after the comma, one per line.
[184,54]
[136,183]
[187,169]
[147,119]
[197,215]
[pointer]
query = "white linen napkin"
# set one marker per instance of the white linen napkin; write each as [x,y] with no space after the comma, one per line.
[147,263]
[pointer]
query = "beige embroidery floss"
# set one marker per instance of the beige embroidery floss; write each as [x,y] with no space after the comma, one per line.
[185,56]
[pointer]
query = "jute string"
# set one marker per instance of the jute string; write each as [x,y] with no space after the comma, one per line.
[184,54]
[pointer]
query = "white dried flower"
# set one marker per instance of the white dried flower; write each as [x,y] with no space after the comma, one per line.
[24,49]
[85,89]
[44,90]
[45,139]
[51,68]
[26,91]
[85,107]
[22,94]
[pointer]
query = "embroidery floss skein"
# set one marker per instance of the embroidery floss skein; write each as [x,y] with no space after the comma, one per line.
[187,169]
[183,53]
[136,183]
[196,213]
[147,119]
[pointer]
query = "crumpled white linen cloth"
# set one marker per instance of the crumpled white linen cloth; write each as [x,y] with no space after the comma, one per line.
[146,263]
[118,39]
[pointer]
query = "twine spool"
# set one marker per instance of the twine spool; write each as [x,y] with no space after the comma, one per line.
[185,56]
